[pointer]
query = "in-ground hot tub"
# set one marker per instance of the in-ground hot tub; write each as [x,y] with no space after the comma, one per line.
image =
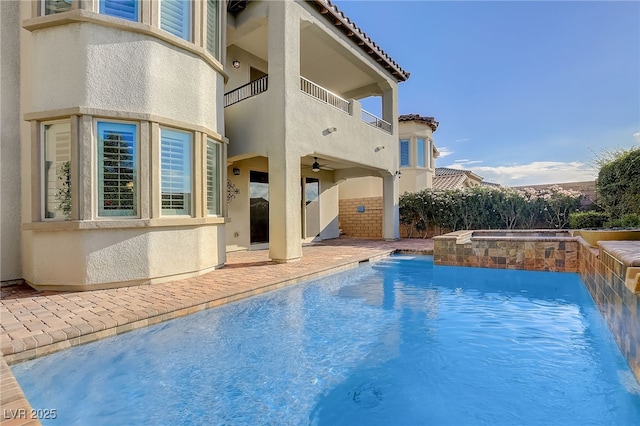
[536,250]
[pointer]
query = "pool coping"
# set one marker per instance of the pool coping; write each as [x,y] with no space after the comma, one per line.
[318,260]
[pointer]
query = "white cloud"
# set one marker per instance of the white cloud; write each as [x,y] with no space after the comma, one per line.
[535,173]
[636,136]
[444,152]
[466,162]
[462,140]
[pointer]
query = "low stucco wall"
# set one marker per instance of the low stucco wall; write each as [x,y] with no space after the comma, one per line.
[98,258]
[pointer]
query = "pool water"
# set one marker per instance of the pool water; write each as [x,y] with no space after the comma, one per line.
[396,342]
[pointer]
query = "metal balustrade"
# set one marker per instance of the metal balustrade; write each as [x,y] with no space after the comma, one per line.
[247,91]
[323,95]
[374,121]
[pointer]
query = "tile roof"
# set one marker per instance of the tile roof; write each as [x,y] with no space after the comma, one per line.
[422,119]
[444,171]
[358,37]
[441,183]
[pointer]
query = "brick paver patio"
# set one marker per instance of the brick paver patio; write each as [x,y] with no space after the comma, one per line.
[38,323]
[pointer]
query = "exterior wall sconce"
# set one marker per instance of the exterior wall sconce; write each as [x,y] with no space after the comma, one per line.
[379,148]
[316,166]
[398,174]
[332,129]
[236,171]
[236,63]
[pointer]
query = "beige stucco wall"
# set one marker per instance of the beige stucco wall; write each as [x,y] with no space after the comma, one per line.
[11,246]
[108,68]
[102,258]
[284,125]
[322,217]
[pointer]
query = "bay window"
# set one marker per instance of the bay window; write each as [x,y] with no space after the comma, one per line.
[213,177]
[57,170]
[420,159]
[126,9]
[404,152]
[50,7]
[117,169]
[212,27]
[175,17]
[175,171]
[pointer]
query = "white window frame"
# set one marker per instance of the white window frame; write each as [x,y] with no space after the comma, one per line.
[97,170]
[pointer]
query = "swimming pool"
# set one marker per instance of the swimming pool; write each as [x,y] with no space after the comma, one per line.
[393,342]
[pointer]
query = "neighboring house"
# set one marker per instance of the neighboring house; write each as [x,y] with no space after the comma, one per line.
[113,141]
[447,178]
[361,199]
[417,152]
[296,129]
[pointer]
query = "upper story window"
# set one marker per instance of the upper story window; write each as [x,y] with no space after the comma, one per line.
[213,177]
[213,33]
[126,9]
[175,171]
[117,169]
[175,17]
[404,152]
[420,154]
[49,7]
[57,170]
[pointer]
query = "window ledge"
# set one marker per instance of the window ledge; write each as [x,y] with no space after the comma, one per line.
[82,225]
[80,15]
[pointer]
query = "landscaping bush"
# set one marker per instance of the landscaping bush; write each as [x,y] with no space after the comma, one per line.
[486,208]
[619,184]
[627,221]
[591,219]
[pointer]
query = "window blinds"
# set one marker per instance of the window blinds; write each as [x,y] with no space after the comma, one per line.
[127,9]
[175,17]
[175,176]
[117,180]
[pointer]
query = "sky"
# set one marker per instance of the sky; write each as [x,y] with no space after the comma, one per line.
[525,92]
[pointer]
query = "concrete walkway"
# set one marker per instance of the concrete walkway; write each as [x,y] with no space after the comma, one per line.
[36,323]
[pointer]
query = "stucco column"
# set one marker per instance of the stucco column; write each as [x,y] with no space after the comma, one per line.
[285,227]
[390,208]
[390,106]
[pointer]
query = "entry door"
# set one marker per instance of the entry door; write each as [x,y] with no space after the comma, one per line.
[259,207]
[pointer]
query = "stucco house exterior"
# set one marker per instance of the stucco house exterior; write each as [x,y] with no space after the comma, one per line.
[113,141]
[361,199]
[142,140]
[296,71]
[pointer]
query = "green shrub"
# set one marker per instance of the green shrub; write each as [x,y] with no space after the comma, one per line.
[627,221]
[619,184]
[591,219]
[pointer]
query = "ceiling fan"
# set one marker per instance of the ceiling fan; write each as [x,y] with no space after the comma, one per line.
[316,167]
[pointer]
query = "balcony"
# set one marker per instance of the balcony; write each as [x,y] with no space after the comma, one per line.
[247,91]
[311,89]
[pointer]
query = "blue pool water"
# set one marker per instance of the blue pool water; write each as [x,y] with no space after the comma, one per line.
[396,342]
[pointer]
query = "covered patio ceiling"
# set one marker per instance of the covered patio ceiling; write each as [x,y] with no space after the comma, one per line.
[323,60]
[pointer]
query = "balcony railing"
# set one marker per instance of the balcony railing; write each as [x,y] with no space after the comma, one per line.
[247,91]
[323,95]
[374,121]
